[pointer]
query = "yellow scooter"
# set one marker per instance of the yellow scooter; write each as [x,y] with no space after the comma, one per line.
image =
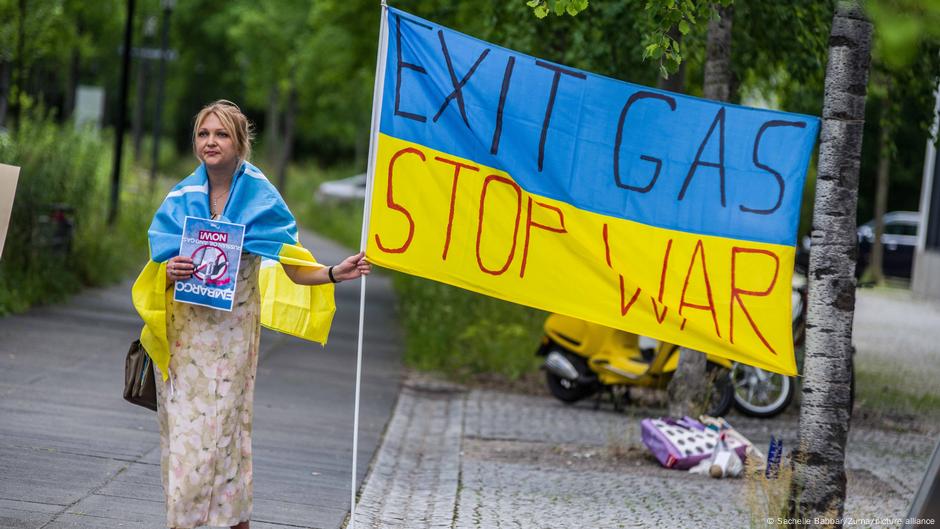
[584,359]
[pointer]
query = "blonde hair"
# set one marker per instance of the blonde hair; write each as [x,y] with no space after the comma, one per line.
[233,121]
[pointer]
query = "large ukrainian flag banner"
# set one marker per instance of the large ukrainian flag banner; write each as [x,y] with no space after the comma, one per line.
[658,213]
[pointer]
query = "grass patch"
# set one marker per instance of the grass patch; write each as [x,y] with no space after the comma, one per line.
[461,334]
[766,497]
[455,332]
[340,221]
[66,174]
[888,392]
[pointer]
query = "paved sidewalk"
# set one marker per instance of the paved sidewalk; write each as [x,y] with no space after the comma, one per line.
[74,455]
[486,459]
[459,459]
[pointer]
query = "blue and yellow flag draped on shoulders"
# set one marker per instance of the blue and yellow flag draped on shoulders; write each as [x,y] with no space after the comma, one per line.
[270,232]
[654,212]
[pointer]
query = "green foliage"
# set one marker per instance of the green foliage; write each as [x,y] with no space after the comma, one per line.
[337,74]
[779,53]
[901,27]
[899,101]
[666,22]
[542,8]
[247,51]
[338,220]
[64,167]
[904,74]
[461,333]
[668,17]
[57,36]
[884,389]
[281,26]
[206,69]
[606,39]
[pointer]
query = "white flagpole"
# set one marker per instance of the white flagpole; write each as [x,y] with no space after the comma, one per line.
[373,145]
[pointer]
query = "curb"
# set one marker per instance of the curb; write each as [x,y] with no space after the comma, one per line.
[414,480]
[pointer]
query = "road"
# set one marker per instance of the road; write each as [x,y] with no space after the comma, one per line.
[74,454]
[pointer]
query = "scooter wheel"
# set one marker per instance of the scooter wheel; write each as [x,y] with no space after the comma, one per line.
[760,393]
[722,396]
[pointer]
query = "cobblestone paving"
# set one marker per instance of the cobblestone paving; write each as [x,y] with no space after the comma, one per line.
[532,462]
[486,459]
[495,415]
[537,486]
[884,468]
[415,475]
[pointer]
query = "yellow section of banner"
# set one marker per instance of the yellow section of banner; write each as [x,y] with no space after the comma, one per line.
[458,222]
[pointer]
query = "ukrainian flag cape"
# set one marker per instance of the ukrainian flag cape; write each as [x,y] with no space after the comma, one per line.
[270,231]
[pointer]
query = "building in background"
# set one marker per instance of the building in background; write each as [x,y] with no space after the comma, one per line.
[89,106]
[926,281]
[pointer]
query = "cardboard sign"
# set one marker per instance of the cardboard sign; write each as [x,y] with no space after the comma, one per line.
[216,249]
[8,177]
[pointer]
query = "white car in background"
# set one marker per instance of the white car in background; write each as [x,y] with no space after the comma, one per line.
[352,188]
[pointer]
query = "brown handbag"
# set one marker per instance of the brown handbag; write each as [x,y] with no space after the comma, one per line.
[140,386]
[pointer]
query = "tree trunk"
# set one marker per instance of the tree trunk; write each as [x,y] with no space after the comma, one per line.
[272,125]
[287,139]
[818,487]
[4,90]
[688,389]
[881,195]
[20,64]
[71,84]
[140,108]
[718,76]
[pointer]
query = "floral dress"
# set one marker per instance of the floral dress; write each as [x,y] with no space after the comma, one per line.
[205,408]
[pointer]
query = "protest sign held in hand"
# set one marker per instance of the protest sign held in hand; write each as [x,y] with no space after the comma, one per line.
[215,248]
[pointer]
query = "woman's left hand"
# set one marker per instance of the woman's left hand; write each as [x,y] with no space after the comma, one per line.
[352,267]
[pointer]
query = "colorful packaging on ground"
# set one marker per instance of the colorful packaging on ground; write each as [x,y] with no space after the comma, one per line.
[681,443]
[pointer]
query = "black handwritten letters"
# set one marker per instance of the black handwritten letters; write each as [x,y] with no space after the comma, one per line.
[713,166]
[619,141]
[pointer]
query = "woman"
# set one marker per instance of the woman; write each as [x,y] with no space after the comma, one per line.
[207,358]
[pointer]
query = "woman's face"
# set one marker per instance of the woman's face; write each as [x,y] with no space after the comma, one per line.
[214,145]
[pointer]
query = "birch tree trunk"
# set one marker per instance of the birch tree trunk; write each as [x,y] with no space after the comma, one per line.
[818,487]
[689,387]
[718,76]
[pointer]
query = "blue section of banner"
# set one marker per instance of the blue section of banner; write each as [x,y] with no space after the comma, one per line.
[602,145]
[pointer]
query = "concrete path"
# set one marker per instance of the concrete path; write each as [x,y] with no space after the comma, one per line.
[74,455]
[462,458]
[477,459]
